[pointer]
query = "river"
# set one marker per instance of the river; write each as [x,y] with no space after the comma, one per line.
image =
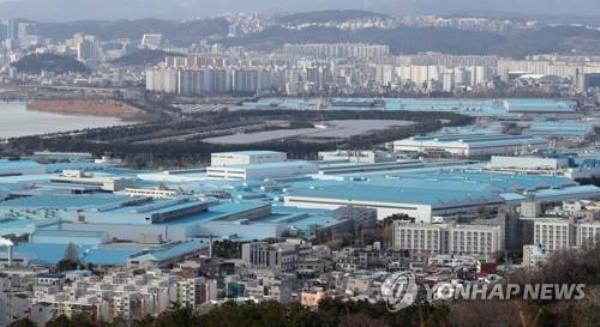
[16,120]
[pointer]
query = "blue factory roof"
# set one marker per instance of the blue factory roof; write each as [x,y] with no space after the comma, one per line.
[51,254]
[431,187]
[8,180]
[64,201]
[68,236]
[171,251]
[560,129]
[537,105]
[41,254]
[582,192]
[501,182]
[18,164]
[472,107]
[24,226]
[148,207]
[303,218]
[109,256]
[218,212]
[398,194]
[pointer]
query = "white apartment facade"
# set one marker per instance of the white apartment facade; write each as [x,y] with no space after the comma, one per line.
[478,240]
[420,238]
[482,241]
[553,234]
[587,234]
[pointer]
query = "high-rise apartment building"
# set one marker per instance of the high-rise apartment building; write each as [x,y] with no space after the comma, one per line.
[484,241]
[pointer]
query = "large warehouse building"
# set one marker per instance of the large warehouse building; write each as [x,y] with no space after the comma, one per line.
[469,145]
[263,171]
[422,204]
[427,195]
[246,158]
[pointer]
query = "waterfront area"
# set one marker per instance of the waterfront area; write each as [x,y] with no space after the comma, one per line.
[17,121]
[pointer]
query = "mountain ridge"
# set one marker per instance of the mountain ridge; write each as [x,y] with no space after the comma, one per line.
[69,10]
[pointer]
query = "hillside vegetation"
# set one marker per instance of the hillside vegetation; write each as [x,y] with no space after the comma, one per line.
[46,62]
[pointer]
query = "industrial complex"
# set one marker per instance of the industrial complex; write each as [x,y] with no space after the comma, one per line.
[113,214]
[286,217]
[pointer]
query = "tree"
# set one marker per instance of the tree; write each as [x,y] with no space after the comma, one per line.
[227,249]
[179,317]
[25,322]
[60,321]
[70,259]
[71,253]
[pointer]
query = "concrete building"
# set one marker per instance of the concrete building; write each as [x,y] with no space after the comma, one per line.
[468,145]
[192,292]
[533,255]
[104,183]
[587,234]
[425,239]
[156,193]
[525,163]
[261,285]
[152,41]
[554,234]
[312,298]
[120,294]
[65,237]
[246,158]
[257,172]
[337,50]
[277,256]
[359,157]
[420,203]
[547,66]
[481,241]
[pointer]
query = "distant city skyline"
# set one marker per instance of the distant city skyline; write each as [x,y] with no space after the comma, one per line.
[66,10]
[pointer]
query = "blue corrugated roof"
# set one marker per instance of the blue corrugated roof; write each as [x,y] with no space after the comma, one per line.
[109,256]
[63,201]
[217,212]
[18,164]
[42,254]
[169,251]
[391,194]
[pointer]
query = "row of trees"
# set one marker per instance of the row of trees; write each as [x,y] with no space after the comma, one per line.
[273,314]
[332,313]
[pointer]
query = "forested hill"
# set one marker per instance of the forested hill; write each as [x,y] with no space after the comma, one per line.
[46,62]
[410,40]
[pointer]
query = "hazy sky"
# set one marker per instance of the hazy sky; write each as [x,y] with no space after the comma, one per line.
[53,10]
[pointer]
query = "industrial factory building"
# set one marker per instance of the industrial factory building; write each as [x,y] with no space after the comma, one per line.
[471,145]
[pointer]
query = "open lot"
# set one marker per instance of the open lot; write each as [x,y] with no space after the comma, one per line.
[333,129]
